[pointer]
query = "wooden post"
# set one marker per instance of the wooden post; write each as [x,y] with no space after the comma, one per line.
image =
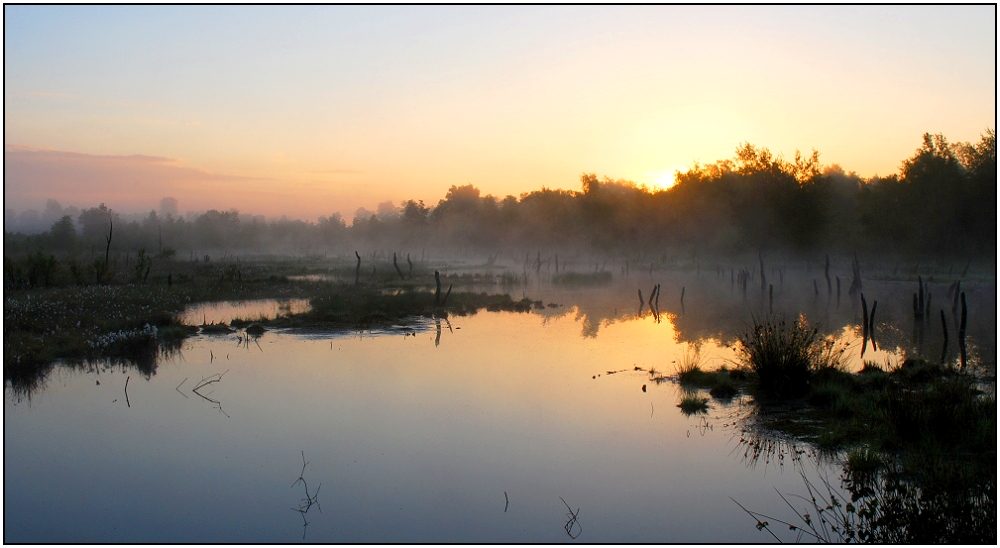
[398,271]
[107,250]
[871,325]
[829,286]
[763,277]
[357,271]
[864,314]
[944,329]
[920,299]
[961,331]
[437,292]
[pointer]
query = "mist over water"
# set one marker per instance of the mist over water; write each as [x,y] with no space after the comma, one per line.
[940,207]
[487,303]
[458,429]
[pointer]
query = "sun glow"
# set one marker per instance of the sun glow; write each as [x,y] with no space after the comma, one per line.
[661,180]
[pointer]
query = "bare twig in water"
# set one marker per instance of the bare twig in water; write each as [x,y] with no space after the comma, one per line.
[506,502]
[178,389]
[205,382]
[126,389]
[573,521]
[309,500]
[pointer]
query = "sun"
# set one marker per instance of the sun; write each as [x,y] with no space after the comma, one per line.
[661,180]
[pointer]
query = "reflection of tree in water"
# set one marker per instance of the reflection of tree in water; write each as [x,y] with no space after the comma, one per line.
[715,308]
[591,325]
[926,496]
[935,501]
[25,379]
[594,313]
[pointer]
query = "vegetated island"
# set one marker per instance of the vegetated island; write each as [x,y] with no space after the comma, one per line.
[919,440]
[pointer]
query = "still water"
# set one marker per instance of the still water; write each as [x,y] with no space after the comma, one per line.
[473,429]
[227,311]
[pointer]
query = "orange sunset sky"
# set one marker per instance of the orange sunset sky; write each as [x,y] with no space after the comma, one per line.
[307,111]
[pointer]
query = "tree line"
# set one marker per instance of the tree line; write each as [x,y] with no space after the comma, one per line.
[942,202]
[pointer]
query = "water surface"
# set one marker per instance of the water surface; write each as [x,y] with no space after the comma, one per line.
[410,440]
[467,429]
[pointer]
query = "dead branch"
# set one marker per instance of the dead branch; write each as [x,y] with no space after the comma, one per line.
[573,520]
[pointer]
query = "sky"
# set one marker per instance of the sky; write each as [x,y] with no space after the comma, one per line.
[308,111]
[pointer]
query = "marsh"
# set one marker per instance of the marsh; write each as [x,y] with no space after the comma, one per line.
[458,427]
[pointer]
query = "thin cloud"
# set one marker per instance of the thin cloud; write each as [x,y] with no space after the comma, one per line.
[32,174]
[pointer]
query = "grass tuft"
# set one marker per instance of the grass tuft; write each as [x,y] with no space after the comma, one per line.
[692,404]
[780,356]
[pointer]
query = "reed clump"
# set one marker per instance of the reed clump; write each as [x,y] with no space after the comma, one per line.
[780,357]
[689,364]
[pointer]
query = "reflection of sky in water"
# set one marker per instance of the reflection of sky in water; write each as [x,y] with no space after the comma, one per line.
[411,441]
[416,433]
[714,307]
[224,312]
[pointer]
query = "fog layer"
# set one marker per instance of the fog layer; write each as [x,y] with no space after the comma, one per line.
[942,202]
